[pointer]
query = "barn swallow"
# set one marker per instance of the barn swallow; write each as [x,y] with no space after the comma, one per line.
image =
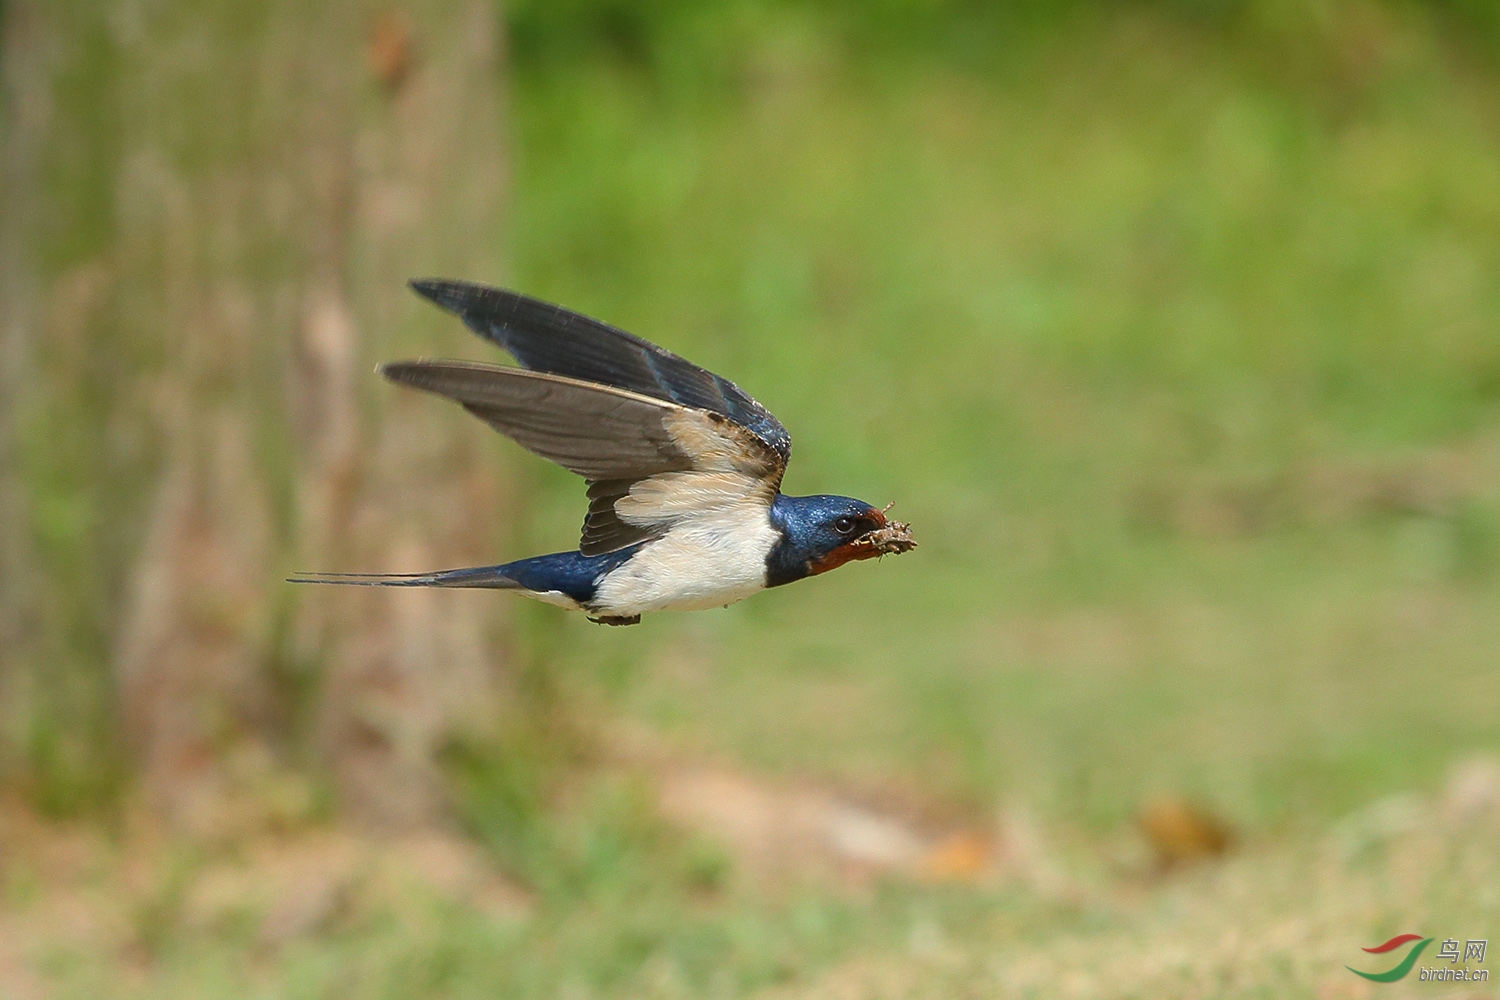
[684,468]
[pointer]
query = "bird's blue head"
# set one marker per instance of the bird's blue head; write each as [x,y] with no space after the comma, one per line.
[820,533]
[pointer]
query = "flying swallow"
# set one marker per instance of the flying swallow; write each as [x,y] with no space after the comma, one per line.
[683,467]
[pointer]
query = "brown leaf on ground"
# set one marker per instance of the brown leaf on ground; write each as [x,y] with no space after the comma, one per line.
[1179,831]
[964,856]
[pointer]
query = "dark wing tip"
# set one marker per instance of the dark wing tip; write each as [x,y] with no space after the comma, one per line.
[405,372]
[450,294]
[434,289]
[399,372]
[421,372]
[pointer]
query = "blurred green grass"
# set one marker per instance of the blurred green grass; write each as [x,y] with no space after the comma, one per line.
[1184,369]
[1182,361]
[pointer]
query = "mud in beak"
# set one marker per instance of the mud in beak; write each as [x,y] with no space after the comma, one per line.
[890,538]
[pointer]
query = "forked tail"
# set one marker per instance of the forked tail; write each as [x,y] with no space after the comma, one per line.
[571,574]
[492,577]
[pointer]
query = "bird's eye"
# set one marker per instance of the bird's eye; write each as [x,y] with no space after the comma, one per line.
[844,525]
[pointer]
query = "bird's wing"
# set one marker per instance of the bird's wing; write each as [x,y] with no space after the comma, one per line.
[649,461]
[547,338]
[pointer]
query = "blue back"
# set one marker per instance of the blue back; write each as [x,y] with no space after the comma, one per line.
[571,573]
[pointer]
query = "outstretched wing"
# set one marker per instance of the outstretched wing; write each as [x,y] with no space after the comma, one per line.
[548,338]
[728,432]
[649,461]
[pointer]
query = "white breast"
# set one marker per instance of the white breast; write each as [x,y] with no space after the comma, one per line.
[705,561]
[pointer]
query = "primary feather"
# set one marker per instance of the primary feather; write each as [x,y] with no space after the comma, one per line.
[597,431]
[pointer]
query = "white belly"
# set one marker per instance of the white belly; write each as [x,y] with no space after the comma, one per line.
[707,561]
[556,597]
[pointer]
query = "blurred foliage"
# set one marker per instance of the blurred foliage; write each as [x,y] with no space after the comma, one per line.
[689,42]
[1175,341]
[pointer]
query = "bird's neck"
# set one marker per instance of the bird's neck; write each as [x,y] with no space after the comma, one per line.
[790,557]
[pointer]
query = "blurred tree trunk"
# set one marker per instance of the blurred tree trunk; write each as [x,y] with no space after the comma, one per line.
[228,199]
[404,668]
[22,122]
[56,465]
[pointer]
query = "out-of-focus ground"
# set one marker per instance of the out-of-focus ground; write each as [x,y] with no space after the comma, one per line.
[828,897]
[1173,331]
